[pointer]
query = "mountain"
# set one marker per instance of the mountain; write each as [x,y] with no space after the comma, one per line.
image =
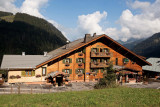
[149,47]
[5,14]
[132,42]
[24,33]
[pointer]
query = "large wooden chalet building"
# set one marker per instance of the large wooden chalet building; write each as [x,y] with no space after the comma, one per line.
[84,59]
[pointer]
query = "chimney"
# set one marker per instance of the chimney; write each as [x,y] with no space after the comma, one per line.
[45,53]
[87,37]
[67,45]
[23,53]
[94,34]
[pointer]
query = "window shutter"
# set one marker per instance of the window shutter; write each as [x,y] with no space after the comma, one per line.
[91,60]
[76,60]
[91,49]
[83,71]
[63,70]
[102,60]
[33,73]
[83,60]
[84,50]
[97,49]
[103,50]
[70,60]
[23,73]
[76,71]
[70,71]
[64,61]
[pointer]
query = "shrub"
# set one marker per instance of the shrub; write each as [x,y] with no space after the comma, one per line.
[108,80]
[12,77]
[18,76]
[38,75]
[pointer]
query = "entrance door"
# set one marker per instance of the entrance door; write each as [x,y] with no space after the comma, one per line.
[59,80]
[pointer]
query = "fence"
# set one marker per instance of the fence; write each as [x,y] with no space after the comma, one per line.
[30,90]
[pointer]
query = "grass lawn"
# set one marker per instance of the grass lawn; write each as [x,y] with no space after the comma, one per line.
[101,98]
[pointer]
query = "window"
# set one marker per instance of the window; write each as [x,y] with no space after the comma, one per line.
[116,61]
[106,50]
[28,73]
[79,60]
[43,71]
[67,60]
[94,50]
[94,70]
[95,60]
[80,71]
[66,71]
[101,49]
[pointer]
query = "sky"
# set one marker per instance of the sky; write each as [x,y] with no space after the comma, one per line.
[119,19]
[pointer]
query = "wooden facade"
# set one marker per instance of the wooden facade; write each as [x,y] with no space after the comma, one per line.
[88,63]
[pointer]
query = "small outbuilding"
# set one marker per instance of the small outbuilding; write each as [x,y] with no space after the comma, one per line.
[154,70]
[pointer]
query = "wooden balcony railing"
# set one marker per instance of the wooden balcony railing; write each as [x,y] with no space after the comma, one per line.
[100,54]
[99,65]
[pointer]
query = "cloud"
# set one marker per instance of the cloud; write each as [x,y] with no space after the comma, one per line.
[33,7]
[8,5]
[141,25]
[89,23]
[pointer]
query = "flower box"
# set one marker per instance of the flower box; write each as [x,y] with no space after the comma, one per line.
[67,64]
[37,76]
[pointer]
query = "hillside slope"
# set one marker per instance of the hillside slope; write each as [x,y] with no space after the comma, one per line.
[29,34]
[149,47]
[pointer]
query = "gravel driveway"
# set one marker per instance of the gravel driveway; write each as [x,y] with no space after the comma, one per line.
[154,85]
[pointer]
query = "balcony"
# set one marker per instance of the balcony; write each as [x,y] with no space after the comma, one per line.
[100,54]
[99,65]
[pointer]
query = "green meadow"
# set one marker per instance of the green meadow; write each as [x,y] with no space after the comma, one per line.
[111,97]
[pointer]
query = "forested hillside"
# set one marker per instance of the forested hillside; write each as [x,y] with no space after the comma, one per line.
[149,47]
[5,14]
[29,34]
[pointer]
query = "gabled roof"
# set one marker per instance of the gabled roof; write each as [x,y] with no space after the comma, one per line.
[79,44]
[155,65]
[22,62]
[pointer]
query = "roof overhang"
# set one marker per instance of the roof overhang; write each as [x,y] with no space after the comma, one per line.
[84,44]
